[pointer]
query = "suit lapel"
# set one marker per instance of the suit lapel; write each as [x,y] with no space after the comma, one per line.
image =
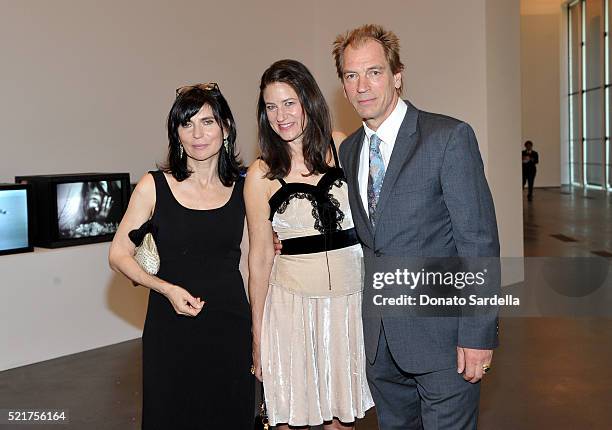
[353,181]
[405,144]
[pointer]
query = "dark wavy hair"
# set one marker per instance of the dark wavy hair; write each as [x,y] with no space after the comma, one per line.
[186,105]
[317,133]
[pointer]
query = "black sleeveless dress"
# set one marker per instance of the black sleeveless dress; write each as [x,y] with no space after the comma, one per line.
[196,370]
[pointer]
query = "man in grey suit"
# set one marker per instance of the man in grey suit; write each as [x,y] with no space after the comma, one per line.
[417,189]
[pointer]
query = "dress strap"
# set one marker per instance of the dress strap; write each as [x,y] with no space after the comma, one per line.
[160,182]
[333,147]
[282,181]
[161,193]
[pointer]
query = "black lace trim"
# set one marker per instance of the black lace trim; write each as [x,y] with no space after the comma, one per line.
[325,208]
[283,207]
[330,216]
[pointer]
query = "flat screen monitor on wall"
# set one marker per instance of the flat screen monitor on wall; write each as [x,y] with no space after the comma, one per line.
[77,209]
[15,219]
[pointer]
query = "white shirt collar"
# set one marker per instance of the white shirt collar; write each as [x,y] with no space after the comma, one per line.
[388,130]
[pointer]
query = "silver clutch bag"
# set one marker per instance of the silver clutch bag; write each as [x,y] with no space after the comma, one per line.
[146,254]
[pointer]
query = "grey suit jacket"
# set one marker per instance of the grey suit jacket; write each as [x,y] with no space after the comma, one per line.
[434,202]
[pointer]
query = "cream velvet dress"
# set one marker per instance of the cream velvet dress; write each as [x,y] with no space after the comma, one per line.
[312,350]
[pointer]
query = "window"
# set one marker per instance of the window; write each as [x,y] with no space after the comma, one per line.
[589,55]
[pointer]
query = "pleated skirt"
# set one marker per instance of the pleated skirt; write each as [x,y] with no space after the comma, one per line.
[313,358]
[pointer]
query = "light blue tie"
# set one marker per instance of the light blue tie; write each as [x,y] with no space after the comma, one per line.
[375,177]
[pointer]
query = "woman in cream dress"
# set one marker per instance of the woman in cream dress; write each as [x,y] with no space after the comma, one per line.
[306,302]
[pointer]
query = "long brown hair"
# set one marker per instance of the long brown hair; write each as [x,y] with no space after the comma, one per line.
[317,133]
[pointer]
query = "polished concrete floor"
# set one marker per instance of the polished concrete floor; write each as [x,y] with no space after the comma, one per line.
[549,373]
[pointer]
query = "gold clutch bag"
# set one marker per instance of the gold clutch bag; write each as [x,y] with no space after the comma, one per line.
[146,254]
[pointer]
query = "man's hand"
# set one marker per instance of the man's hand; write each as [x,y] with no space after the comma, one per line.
[470,362]
[278,246]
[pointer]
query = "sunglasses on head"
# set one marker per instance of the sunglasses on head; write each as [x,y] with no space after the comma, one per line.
[209,86]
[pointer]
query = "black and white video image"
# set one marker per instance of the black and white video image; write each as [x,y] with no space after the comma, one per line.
[13,219]
[87,209]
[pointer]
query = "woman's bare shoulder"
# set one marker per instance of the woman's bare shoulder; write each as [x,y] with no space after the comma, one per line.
[146,186]
[258,169]
[338,138]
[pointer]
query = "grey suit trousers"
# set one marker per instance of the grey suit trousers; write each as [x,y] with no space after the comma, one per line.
[432,401]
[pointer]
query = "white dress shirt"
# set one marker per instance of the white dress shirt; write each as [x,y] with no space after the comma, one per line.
[387,132]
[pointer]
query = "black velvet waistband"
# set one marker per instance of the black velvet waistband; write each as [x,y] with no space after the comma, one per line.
[320,242]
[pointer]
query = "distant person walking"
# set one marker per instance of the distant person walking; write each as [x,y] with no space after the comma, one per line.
[530,159]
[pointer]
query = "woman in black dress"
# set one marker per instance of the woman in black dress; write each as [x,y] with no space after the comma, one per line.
[197,334]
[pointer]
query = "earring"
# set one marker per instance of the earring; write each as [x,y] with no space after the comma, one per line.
[180,151]
[226,144]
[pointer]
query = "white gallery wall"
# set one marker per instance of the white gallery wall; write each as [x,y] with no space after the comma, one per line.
[86,86]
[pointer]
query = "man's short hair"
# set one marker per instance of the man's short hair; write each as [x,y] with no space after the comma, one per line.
[360,35]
